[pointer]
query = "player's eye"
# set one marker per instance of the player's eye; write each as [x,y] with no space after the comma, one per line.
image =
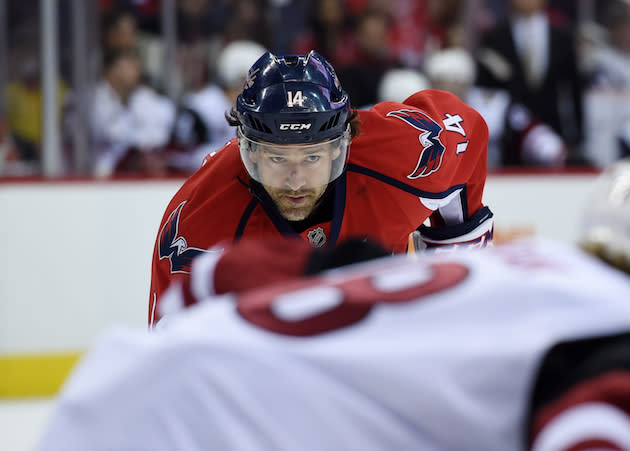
[277,160]
[312,158]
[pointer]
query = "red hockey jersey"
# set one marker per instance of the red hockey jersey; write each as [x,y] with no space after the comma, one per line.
[411,159]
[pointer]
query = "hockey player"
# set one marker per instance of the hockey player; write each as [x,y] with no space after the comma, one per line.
[290,171]
[522,346]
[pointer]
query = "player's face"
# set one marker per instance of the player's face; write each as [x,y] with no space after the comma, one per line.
[295,176]
[295,179]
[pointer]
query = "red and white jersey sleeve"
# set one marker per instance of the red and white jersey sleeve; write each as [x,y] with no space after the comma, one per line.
[436,353]
[434,143]
[425,158]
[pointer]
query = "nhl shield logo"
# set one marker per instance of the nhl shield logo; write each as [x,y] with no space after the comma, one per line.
[317,237]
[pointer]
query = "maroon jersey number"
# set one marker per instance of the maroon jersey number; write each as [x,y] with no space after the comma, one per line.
[322,304]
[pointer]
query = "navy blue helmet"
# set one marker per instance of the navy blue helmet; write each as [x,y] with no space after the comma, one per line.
[292,99]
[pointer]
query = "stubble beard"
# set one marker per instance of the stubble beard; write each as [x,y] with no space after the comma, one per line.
[290,210]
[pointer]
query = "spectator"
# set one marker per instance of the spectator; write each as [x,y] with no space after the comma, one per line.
[444,23]
[130,122]
[24,111]
[9,158]
[611,60]
[398,84]
[407,31]
[327,32]
[146,12]
[563,12]
[199,24]
[536,63]
[118,30]
[608,97]
[288,19]
[248,21]
[416,28]
[193,21]
[453,70]
[370,59]
[490,13]
[198,41]
[201,127]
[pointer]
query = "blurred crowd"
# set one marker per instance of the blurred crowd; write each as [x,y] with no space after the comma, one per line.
[553,87]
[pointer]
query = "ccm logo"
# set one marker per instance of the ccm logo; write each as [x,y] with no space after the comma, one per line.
[295,126]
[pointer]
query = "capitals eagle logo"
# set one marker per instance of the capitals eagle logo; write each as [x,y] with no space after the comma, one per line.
[175,247]
[432,148]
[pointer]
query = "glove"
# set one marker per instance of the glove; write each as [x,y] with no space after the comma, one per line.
[476,232]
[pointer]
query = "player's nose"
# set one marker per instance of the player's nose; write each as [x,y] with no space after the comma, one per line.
[296,178]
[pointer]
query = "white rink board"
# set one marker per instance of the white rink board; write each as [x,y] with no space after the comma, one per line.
[76,255]
[550,205]
[23,422]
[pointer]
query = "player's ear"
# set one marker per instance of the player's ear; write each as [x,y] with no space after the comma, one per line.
[345,253]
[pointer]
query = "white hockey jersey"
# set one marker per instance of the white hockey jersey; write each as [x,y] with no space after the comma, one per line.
[435,353]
